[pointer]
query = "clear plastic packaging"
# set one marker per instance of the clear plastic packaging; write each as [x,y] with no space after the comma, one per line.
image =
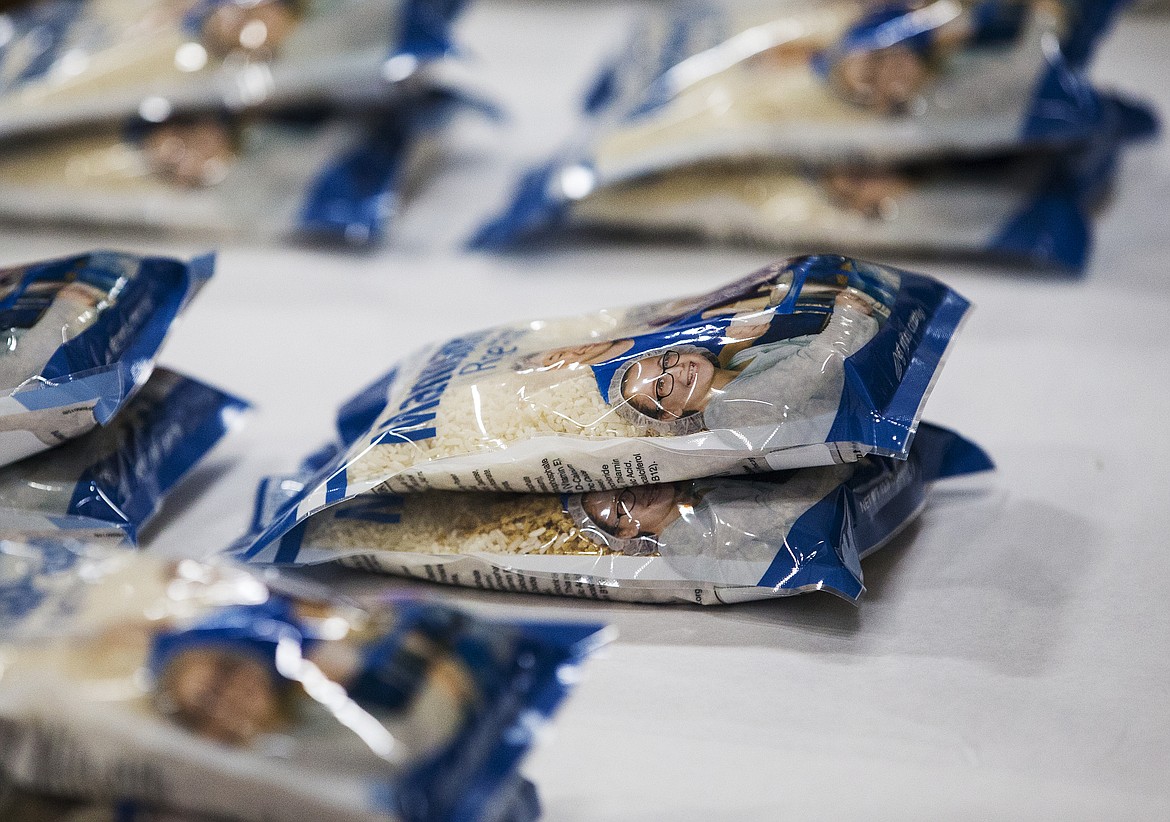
[69,62]
[957,126]
[811,361]
[80,336]
[308,174]
[840,80]
[1035,208]
[110,482]
[710,541]
[198,688]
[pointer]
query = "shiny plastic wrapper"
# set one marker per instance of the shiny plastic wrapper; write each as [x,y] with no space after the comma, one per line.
[811,361]
[80,336]
[841,80]
[304,175]
[198,688]
[710,541]
[1034,208]
[109,483]
[69,62]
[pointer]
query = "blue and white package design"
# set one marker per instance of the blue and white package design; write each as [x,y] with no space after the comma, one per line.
[838,80]
[1034,208]
[80,336]
[810,361]
[306,174]
[198,688]
[71,62]
[115,478]
[708,541]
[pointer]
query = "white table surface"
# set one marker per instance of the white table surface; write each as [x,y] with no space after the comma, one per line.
[1010,659]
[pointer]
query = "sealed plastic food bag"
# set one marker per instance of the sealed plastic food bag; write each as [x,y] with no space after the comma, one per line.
[197,688]
[111,481]
[274,177]
[1033,207]
[68,62]
[839,80]
[710,541]
[813,361]
[80,335]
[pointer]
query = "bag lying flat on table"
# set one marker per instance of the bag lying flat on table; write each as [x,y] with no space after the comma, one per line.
[200,689]
[838,80]
[711,541]
[109,483]
[1034,207]
[306,174]
[80,335]
[70,62]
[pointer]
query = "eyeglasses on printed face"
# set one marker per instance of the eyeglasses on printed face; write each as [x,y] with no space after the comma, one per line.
[664,385]
[649,392]
[618,513]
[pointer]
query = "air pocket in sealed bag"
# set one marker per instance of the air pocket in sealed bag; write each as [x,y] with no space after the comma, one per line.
[197,688]
[812,361]
[113,480]
[80,336]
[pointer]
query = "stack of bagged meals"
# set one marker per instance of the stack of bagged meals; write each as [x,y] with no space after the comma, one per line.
[752,442]
[268,119]
[962,127]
